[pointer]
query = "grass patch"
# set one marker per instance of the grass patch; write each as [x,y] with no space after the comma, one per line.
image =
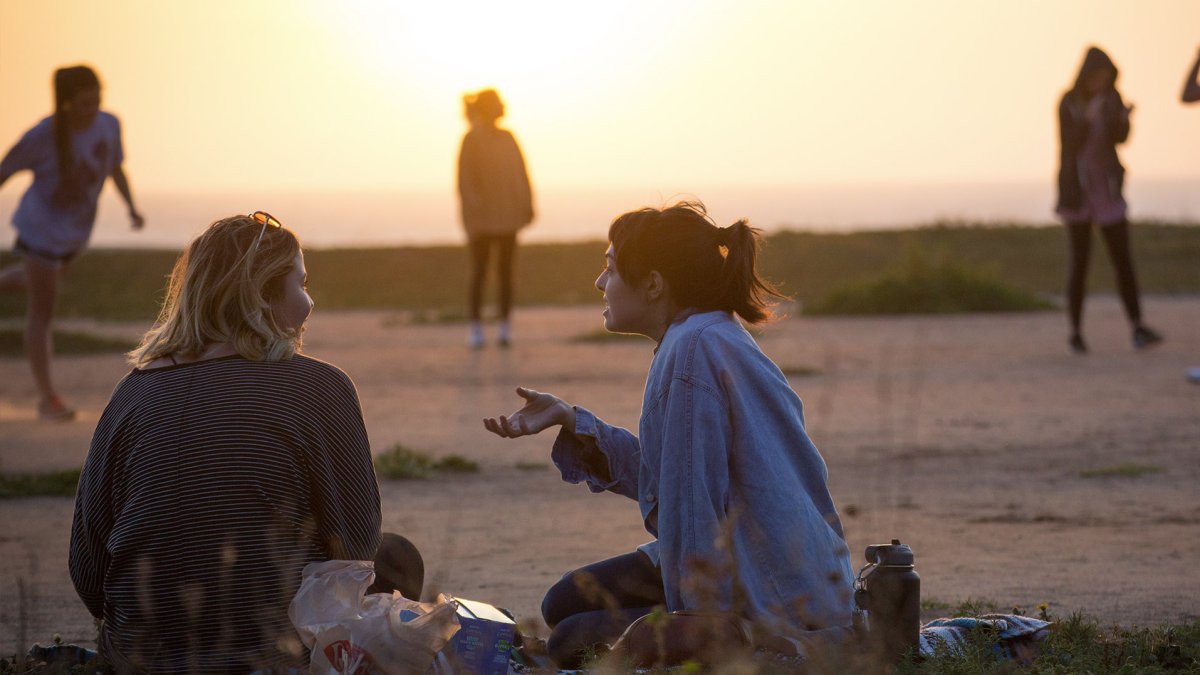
[934,605]
[1120,471]
[128,285]
[403,463]
[977,607]
[56,484]
[1076,644]
[456,464]
[925,286]
[12,343]
[799,371]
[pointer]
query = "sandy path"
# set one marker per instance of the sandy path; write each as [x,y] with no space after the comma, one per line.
[964,436]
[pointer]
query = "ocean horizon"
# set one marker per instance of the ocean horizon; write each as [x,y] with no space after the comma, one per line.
[375,218]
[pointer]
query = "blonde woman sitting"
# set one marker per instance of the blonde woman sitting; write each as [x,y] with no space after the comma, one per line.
[225,461]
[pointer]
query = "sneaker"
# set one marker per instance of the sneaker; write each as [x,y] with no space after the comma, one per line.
[1144,337]
[54,410]
[1078,346]
[475,338]
[505,337]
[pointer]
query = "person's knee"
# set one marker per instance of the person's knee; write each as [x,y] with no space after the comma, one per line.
[563,599]
[565,646]
[398,567]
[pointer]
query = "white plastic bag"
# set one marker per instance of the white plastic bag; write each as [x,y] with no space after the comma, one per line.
[350,632]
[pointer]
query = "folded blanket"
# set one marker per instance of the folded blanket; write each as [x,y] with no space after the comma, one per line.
[1015,634]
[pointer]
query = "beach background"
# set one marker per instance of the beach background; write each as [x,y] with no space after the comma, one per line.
[866,139]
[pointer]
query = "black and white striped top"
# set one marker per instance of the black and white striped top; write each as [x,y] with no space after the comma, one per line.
[207,488]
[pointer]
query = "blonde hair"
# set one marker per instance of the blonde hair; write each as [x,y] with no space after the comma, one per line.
[221,290]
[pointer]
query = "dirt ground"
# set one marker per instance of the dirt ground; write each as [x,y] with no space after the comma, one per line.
[967,437]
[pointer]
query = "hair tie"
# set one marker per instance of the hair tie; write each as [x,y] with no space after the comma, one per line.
[725,235]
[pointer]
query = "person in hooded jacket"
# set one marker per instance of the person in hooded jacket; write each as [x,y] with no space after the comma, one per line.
[1093,120]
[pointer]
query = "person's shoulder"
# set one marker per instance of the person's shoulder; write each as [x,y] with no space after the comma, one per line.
[715,323]
[43,129]
[108,122]
[700,330]
[317,370]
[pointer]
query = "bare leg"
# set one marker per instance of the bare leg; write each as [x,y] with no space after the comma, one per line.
[42,292]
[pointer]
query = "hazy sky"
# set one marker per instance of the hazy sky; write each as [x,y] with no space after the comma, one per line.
[315,94]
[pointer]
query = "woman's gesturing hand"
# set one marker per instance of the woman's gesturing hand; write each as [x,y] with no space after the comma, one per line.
[540,412]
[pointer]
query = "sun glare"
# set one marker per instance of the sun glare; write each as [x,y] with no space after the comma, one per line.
[525,48]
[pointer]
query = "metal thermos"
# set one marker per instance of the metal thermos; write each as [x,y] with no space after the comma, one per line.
[888,589]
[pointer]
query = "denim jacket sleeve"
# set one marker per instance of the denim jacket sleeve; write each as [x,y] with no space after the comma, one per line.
[576,455]
[693,499]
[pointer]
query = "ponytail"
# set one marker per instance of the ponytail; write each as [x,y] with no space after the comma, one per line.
[746,293]
[706,267]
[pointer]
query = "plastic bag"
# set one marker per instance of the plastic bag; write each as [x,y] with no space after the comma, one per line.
[350,632]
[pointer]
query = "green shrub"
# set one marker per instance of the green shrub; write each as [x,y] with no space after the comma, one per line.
[12,343]
[1120,471]
[403,463]
[456,464]
[56,484]
[922,286]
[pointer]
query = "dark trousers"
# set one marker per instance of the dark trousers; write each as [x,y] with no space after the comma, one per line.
[596,603]
[481,246]
[1079,248]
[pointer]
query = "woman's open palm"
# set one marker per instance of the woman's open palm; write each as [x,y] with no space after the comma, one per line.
[540,412]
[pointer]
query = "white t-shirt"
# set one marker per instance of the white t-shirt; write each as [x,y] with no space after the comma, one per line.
[59,221]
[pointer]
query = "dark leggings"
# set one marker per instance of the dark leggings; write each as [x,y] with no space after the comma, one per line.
[481,246]
[596,603]
[1079,247]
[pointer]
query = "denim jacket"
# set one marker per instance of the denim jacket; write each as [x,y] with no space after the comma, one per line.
[727,480]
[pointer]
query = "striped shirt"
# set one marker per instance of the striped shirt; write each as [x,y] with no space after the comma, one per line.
[208,487]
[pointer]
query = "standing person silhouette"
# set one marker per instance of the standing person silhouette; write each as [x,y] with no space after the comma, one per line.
[71,154]
[1191,88]
[1191,94]
[496,201]
[1093,120]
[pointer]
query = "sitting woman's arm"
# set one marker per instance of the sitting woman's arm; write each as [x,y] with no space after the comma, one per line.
[343,477]
[586,450]
[88,559]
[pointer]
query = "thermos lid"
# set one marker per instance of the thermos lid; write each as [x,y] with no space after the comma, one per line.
[893,554]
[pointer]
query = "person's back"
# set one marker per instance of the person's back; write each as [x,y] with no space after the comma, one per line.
[205,475]
[494,185]
[224,462]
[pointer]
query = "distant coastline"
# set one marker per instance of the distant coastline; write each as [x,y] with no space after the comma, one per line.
[388,218]
[113,284]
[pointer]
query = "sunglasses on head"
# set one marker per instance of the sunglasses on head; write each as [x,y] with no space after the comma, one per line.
[267,220]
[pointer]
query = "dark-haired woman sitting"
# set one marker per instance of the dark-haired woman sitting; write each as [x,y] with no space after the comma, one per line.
[727,479]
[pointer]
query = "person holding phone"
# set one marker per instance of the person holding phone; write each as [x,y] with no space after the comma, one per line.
[1093,121]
